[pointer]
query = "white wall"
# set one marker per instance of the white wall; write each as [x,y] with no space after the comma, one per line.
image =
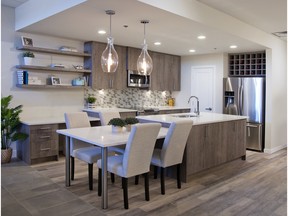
[47,100]
[187,62]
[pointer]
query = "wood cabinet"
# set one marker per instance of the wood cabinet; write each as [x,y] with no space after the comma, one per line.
[166,72]
[132,57]
[166,69]
[161,112]
[58,71]
[41,145]
[99,79]
[209,145]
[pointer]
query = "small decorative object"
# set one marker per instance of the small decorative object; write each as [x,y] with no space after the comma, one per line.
[80,81]
[10,123]
[68,49]
[26,41]
[78,67]
[117,124]
[57,66]
[28,58]
[91,99]
[130,121]
[55,81]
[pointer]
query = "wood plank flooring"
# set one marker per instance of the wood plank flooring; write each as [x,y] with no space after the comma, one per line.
[257,186]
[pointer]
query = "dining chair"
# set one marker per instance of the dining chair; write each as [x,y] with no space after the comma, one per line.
[136,158]
[105,117]
[172,150]
[79,149]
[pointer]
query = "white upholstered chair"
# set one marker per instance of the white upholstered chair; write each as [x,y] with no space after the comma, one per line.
[79,149]
[105,117]
[172,150]
[136,158]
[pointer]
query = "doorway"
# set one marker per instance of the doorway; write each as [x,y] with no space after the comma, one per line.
[203,86]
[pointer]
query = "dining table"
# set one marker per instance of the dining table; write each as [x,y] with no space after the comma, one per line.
[103,137]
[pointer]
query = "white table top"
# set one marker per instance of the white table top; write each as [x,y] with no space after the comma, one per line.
[204,118]
[113,109]
[102,136]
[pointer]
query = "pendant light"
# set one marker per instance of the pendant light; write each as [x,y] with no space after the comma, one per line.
[144,62]
[109,58]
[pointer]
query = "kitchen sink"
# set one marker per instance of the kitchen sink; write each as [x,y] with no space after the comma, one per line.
[185,115]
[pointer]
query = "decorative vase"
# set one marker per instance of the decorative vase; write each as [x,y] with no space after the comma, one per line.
[91,105]
[6,155]
[28,61]
[116,129]
[128,127]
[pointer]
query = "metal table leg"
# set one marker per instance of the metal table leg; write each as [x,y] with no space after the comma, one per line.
[67,162]
[104,179]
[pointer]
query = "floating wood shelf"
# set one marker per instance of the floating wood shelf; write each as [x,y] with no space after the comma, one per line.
[50,86]
[34,67]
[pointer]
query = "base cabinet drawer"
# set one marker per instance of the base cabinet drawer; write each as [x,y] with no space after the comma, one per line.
[41,145]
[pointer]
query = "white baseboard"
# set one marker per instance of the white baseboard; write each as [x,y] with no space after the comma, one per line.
[272,150]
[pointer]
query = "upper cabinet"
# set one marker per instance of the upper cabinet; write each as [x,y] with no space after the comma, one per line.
[99,79]
[132,57]
[166,72]
[165,75]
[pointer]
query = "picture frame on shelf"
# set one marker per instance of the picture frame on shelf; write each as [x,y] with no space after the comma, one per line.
[26,41]
[55,81]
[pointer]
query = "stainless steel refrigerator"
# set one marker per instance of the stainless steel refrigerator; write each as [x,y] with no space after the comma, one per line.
[246,96]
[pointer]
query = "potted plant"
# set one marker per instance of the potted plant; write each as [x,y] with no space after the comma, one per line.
[28,57]
[91,99]
[117,124]
[130,121]
[10,123]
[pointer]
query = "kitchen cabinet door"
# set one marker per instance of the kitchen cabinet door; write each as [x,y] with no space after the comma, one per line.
[132,57]
[172,72]
[99,79]
[158,79]
[119,78]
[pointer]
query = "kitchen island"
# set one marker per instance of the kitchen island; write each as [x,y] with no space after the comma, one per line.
[214,139]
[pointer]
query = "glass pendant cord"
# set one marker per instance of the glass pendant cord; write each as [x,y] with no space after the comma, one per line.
[144,62]
[109,58]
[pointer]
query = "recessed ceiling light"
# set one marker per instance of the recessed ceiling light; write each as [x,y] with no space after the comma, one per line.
[233,46]
[201,37]
[101,32]
[157,43]
[192,50]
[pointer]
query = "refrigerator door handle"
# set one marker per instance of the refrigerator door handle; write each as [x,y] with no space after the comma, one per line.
[240,98]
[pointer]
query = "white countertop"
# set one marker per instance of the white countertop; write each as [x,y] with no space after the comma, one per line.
[171,108]
[113,109]
[48,120]
[204,118]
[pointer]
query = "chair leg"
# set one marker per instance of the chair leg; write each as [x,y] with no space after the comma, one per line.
[125,192]
[136,179]
[155,172]
[112,177]
[178,176]
[90,174]
[162,179]
[147,196]
[99,182]
[72,167]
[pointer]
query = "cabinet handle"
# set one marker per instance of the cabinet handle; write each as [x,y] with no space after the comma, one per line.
[111,83]
[44,137]
[45,128]
[45,149]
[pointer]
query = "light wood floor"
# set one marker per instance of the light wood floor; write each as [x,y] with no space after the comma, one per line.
[257,186]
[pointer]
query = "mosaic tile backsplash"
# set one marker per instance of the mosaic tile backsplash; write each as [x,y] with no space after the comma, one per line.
[129,98]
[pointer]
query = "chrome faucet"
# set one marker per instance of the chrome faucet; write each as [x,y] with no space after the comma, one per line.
[196,111]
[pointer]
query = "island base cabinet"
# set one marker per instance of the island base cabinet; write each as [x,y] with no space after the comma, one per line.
[40,146]
[210,145]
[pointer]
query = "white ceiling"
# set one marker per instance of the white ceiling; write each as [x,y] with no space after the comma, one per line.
[177,34]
